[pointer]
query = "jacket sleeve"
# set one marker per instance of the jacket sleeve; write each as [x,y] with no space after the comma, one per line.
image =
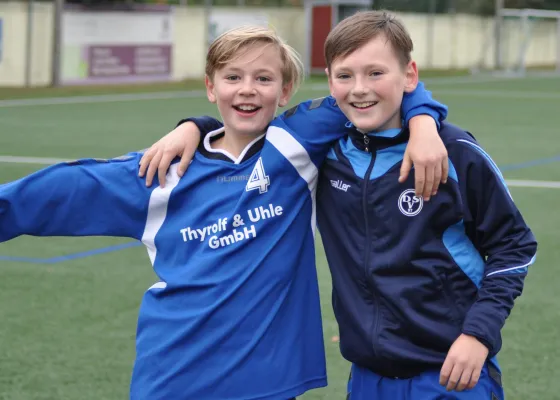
[205,124]
[496,228]
[81,198]
[420,102]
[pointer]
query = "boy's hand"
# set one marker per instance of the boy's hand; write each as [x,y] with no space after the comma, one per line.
[464,361]
[182,141]
[428,154]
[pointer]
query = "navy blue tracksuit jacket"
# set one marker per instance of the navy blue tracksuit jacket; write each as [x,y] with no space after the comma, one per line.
[410,276]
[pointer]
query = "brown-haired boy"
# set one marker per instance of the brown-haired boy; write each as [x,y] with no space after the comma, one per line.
[420,290]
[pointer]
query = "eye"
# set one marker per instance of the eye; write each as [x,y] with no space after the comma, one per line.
[376,73]
[343,76]
[264,79]
[232,78]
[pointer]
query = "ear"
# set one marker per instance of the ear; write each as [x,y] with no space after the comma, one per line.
[411,80]
[209,89]
[286,95]
[330,81]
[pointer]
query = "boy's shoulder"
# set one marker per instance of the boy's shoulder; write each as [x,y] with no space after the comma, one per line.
[309,106]
[452,134]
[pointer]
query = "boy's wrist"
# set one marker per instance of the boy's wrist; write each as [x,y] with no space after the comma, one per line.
[189,127]
[420,123]
[421,114]
[479,338]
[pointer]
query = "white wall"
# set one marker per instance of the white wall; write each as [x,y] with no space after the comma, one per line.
[12,65]
[189,49]
[444,41]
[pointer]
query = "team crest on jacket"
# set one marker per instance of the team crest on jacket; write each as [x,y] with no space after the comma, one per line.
[410,204]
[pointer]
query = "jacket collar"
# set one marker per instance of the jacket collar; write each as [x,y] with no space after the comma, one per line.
[373,141]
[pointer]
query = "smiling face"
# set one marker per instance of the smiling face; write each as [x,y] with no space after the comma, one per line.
[249,89]
[368,85]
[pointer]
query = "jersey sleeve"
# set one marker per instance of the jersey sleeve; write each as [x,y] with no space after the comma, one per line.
[81,198]
[318,123]
[419,102]
[501,236]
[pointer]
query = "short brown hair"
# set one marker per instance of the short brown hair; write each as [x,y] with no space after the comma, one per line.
[228,46]
[355,31]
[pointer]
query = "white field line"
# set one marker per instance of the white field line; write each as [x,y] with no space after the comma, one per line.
[50,161]
[53,101]
[31,160]
[533,184]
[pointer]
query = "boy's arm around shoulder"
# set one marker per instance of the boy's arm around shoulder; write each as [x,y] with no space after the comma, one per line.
[499,233]
[80,198]
[315,124]
[180,142]
[318,123]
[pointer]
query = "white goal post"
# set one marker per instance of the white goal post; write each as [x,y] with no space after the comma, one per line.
[522,40]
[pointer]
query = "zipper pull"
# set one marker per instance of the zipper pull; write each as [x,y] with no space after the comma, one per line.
[366,142]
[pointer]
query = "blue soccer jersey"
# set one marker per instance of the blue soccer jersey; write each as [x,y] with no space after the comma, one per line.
[236,312]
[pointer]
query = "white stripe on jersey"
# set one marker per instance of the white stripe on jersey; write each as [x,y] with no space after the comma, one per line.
[500,271]
[296,154]
[157,211]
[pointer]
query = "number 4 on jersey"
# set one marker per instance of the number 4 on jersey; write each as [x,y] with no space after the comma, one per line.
[258,179]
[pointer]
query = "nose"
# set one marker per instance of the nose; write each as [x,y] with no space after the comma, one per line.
[360,88]
[247,87]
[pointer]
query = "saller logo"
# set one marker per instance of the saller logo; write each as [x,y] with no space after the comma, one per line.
[340,185]
[410,204]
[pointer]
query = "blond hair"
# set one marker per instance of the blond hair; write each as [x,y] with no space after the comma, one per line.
[355,31]
[229,45]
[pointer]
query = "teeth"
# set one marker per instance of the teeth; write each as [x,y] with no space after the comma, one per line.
[364,105]
[247,108]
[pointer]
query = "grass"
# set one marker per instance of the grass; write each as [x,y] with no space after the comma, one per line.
[68,329]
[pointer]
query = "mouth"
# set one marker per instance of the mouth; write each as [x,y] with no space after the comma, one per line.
[364,105]
[246,109]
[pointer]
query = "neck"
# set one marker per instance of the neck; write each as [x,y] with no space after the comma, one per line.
[394,122]
[234,143]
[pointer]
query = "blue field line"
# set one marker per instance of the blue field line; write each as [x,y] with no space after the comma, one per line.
[532,163]
[74,256]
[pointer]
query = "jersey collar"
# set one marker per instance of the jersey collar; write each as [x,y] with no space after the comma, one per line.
[205,148]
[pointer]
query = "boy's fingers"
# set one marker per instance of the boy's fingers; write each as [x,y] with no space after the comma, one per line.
[144,162]
[445,170]
[445,372]
[429,182]
[405,168]
[419,179]
[154,162]
[474,378]
[163,167]
[454,377]
[437,178]
[465,379]
[186,159]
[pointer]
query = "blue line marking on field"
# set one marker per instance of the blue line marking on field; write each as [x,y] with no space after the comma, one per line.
[74,256]
[532,163]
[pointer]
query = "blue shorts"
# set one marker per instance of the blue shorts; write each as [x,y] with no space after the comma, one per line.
[367,385]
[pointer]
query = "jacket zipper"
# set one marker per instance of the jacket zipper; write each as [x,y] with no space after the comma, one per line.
[369,282]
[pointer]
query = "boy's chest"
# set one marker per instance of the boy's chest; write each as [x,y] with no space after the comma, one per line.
[362,192]
[222,205]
